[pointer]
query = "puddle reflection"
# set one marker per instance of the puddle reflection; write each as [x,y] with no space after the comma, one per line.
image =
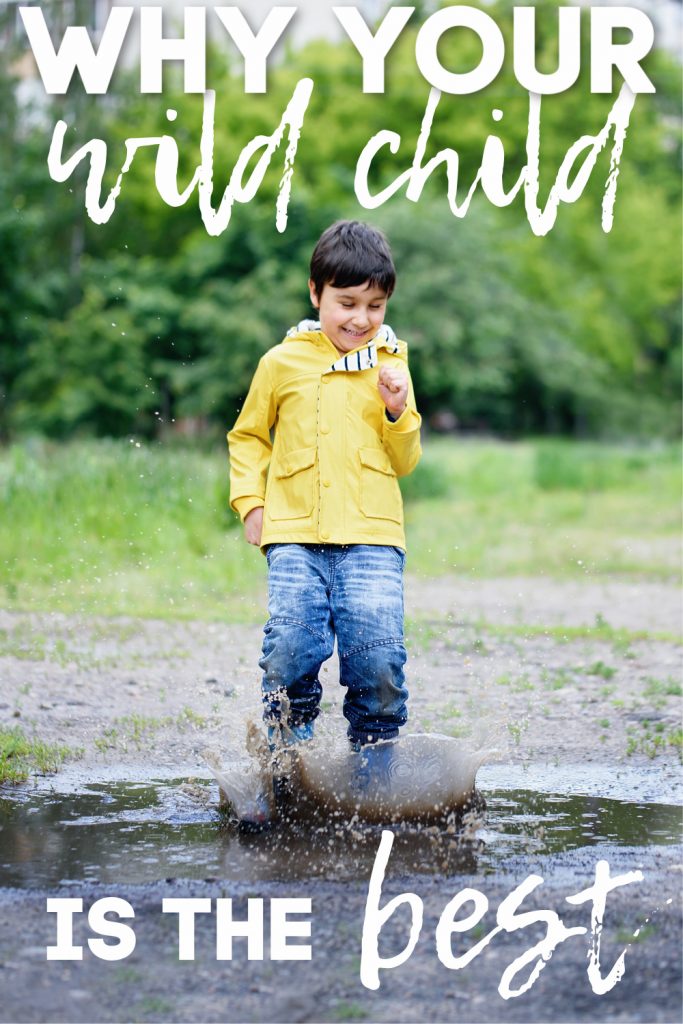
[132,833]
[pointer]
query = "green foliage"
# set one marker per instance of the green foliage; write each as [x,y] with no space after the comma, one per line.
[148,321]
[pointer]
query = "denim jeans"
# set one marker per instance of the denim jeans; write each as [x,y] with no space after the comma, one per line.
[353,592]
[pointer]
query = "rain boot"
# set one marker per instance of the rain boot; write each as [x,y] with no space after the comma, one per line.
[373,764]
[282,738]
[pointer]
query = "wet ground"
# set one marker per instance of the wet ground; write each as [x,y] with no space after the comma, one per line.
[589,772]
[150,841]
[137,833]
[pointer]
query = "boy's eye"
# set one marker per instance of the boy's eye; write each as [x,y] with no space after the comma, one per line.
[351,305]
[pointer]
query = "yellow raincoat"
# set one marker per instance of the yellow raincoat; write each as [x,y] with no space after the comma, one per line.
[329,474]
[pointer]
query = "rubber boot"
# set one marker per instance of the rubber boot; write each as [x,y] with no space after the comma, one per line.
[373,765]
[281,739]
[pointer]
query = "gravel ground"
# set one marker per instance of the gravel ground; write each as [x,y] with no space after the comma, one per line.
[558,678]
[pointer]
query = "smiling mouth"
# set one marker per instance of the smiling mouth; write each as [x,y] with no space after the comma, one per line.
[354,334]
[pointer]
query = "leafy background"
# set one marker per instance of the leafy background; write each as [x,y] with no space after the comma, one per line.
[145,323]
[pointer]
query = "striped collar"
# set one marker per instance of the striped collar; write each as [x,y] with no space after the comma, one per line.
[361,359]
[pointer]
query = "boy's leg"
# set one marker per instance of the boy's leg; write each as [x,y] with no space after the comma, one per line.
[298,636]
[367,612]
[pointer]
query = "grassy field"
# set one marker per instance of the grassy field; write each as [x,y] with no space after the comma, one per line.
[114,527]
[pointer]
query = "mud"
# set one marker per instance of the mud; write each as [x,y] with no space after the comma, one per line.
[584,704]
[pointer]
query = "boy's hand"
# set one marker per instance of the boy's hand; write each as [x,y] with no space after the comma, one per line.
[253,525]
[393,387]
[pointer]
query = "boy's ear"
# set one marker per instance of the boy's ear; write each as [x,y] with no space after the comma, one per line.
[315,301]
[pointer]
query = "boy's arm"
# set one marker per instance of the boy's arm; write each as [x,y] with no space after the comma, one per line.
[401,434]
[250,445]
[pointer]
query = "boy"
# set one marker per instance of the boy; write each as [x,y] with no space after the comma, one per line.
[322,500]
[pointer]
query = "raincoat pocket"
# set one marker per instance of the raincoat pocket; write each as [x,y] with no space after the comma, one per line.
[380,497]
[291,494]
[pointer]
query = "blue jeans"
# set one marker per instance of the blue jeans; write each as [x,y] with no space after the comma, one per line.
[353,592]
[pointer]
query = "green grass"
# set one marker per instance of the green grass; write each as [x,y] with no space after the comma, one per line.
[21,757]
[349,1011]
[660,689]
[117,528]
[517,684]
[554,508]
[620,638]
[153,1005]
[516,729]
[557,678]
[599,668]
[655,738]
[109,528]
[625,937]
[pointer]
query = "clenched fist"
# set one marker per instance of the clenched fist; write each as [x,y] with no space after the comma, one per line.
[393,387]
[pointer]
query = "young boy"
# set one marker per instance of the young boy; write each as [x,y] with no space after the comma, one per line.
[322,499]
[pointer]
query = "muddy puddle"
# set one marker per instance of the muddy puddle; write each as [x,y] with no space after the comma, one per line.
[135,833]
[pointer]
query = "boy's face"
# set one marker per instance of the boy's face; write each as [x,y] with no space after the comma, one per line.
[350,316]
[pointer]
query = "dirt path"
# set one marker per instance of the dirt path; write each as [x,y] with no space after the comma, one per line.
[578,676]
[554,675]
[638,605]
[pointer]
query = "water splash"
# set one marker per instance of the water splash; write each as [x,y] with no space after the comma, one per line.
[416,778]
[246,788]
[421,778]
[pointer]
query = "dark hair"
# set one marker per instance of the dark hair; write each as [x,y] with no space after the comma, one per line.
[349,253]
